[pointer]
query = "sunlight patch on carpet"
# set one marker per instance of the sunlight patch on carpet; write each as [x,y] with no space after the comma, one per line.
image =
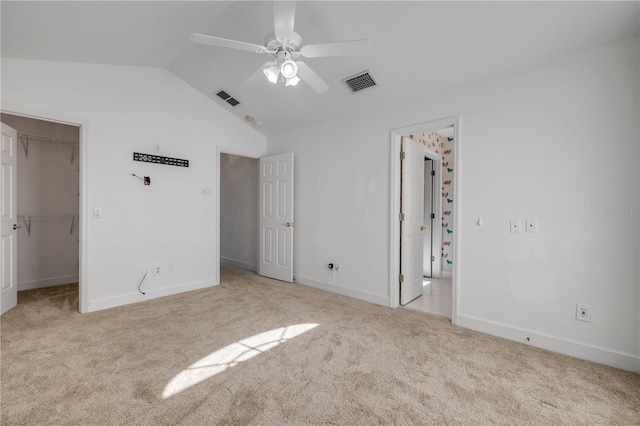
[232,355]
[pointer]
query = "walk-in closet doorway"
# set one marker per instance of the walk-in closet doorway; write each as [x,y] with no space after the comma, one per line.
[48,191]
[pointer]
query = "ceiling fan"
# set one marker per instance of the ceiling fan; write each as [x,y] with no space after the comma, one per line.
[285,46]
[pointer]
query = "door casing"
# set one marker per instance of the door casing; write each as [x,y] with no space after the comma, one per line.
[394,207]
[84,189]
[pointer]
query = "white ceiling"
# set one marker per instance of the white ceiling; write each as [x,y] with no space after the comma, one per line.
[418,47]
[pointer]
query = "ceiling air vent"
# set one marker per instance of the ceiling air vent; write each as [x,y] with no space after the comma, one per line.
[227,98]
[360,81]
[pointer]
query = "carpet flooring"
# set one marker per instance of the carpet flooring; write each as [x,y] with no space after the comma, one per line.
[255,351]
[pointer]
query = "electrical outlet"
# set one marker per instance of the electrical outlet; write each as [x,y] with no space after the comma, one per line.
[170,267]
[145,271]
[515,226]
[331,266]
[336,266]
[583,312]
[157,269]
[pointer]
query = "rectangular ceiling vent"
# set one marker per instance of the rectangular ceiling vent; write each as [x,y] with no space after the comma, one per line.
[227,98]
[360,81]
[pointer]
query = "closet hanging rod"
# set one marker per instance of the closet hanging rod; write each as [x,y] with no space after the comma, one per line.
[48,216]
[45,139]
[26,138]
[27,219]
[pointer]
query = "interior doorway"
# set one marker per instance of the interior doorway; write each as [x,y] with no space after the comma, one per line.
[238,211]
[255,213]
[48,207]
[441,260]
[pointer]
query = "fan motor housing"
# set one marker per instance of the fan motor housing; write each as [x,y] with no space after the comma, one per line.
[291,45]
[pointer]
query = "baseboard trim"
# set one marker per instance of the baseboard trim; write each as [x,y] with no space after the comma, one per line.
[595,353]
[129,298]
[356,294]
[238,263]
[47,282]
[447,275]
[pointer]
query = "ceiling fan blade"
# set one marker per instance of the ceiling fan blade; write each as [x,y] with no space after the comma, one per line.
[223,42]
[340,48]
[256,76]
[311,78]
[284,13]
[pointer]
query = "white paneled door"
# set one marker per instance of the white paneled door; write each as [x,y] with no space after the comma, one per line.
[9,219]
[275,227]
[411,225]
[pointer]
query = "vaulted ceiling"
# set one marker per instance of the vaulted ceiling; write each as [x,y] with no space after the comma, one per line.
[418,47]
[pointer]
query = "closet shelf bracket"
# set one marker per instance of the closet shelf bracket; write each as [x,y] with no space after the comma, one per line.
[26,138]
[27,220]
[27,224]
[25,145]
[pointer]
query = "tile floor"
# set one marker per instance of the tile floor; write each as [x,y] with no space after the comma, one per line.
[435,299]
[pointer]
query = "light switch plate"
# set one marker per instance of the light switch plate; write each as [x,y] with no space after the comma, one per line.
[532,225]
[97,212]
[515,226]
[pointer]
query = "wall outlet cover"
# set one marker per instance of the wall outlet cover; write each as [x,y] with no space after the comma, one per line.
[583,312]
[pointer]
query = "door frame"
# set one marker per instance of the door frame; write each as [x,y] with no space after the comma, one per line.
[436,240]
[84,188]
[232,151]
[394,207]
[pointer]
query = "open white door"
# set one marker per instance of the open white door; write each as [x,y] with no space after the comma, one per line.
[9,219]
[275,225]
[411,226]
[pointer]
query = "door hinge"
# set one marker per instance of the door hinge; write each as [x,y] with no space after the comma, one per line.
[401,278]
[401,217]
[433,215]
[433,258]
[433,172]
[402,155]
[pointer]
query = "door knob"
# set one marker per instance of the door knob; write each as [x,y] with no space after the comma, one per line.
[288,224]
[422,228]
[16,226]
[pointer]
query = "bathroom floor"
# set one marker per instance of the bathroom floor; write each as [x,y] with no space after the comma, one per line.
[435,299]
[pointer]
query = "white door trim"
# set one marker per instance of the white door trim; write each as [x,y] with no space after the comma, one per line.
[394,207]
[436,242]
[232,151]
[84,197]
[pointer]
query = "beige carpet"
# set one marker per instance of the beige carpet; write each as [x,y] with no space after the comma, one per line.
[207,357]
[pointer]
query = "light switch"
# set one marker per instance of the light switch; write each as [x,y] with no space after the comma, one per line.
[515,226]
[97,212]
[532,225]
[206,191]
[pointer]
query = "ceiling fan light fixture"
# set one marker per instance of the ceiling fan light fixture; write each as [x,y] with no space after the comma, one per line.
[289,69]
[292,81]
[272,74]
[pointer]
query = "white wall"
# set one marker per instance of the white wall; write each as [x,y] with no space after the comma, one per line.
[239,211]
[124,110]
[47,184]
[558,143]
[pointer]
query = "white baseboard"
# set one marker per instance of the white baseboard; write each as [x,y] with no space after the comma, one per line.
[447,274]
[238,263]
[356,294]
[47,282]
[595,353]
[126,299]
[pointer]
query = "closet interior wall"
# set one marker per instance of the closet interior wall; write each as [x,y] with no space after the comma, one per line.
[48,202]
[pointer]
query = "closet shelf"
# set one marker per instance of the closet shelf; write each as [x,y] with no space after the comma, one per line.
[26,138]
[28,217]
